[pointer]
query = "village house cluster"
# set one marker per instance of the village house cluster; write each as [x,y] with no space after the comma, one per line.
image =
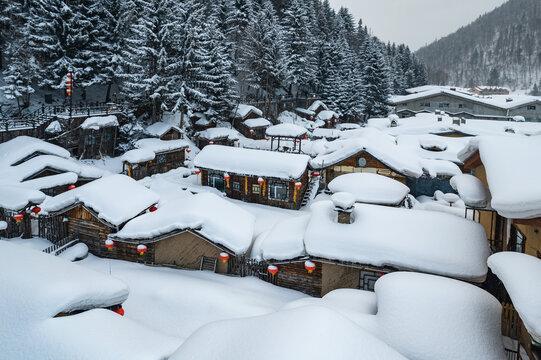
[421,191]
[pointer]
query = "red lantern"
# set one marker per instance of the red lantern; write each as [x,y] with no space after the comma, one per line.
[71,187]
[328,122]
[311,118]
[109,244]
[224,257]
[305,137]
[315,174]
[36,210]
[197,171]
[337,120]
[119,311]
[298,185]
[18,217]
[226,176]
[237,139]
[260,181]
[251,131]
[152,209]
[211,142]
[188,151]
[310,266]
[142,249]
[267,139]
[298,141]
[272,269]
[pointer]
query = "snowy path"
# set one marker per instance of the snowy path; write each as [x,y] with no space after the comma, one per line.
[178,302]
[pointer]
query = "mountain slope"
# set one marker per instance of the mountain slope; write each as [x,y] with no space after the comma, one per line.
[502,47]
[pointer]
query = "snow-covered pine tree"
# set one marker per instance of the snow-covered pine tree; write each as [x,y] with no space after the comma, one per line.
[238,18]
[300,49]
[376,80]
[263,53]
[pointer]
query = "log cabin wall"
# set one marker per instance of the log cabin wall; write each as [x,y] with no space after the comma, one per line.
[90,230]
[201,143]
[295,276]
[247,188]
[172,134]
[351,165]
[163,162]
[94,144]
[259,132]
[336,276]
[185,250]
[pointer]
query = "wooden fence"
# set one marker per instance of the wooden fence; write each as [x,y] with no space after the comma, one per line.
[62,245]
[248,267]
[52,228]
[514,329]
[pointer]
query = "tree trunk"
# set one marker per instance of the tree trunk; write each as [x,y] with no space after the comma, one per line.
[108,94]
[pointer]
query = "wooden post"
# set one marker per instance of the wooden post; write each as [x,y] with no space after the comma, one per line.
[294,194]
[264,187]
[246,185]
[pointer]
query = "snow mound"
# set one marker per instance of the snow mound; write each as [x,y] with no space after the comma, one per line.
[158,146]
[138,156]
[471,190]
[242,110]
[257,123]
[218,133]
[54,128]
[370,188]
[160,128]
[316,105]
[17,197]
[343,201]
[252,162]
[327,115]
[321,334]
[99,122]
[521,276]
[21,147]
[76,252]
[287,130]
[285,240]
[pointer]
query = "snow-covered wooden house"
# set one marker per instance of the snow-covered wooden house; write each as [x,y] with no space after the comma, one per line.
[509,167]
[216,136]
[287,137]
[254,128]
[243,112]
[317,107]
[264,177]
[164,131]
[330,118]
[201,122]
[97,209]
[305,113]
[198,232]
[154,156]
[343,244]
[97,137]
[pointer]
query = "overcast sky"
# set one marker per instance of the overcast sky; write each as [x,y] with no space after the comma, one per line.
[416,22]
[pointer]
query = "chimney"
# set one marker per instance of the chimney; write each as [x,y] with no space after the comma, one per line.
[462,120]
[508,99]
[440,119]
[344,204]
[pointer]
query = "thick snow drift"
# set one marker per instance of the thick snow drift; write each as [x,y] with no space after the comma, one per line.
[287,130]
[471,190]
[17,197]
[257,123]
[160,128]
[521,276]
[99,122]
[370,188]
[21,147]
[116,199]
[426,241]
[252,162]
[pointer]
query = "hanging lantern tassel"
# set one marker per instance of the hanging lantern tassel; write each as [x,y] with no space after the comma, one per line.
[226,178]
[109,244]
[272,269]
[18,217]
[310,266]
[142,249]
[224,257]
[298,185]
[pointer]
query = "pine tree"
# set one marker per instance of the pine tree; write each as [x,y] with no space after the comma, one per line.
[375,80]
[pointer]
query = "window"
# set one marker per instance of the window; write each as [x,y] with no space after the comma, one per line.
[444,105]
[161,159]
[517,240]
[425,104]
[279,190]
[531,107]
[106,136]
[217,181]
[90,139]
[256,189]
[236,186]
[463,106]
[362,162]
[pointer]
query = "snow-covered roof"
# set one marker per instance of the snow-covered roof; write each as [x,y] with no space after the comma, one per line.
[49,182]
[504,102]
[16,198]
[446,148]
[321,334]
[370,188]
[217,219]
[513,169]
[383,147]
[42,286]
[257,123]
[327,115]
[429,317]
[330,134]
[99,122]
[284,241]
[317,104]
[521,276]
[21,147]
[471,190]
[252,162]
[415,240]
[53,128]
[218,133]
[305,112]
[160,128]
[138,156]
[159,146]
[242,110]
[287,130]
[115,199]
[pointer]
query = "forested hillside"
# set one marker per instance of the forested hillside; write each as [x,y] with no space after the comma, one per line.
[203,55]
[502,47]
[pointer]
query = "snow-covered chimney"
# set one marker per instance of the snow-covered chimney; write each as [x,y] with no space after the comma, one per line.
[344,203]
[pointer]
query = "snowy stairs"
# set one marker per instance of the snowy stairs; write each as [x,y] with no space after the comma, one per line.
[208,263]
[311,192]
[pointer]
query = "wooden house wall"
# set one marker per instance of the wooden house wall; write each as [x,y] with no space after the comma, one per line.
[531,230]
[294,276]
[173,160]
[259,133]
[89,229]
[201,143]
[336,276]
[172,134]
[96,143]
[351,165]
[185,250]
[246,184]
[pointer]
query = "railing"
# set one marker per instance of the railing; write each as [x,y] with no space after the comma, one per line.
[62,245]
